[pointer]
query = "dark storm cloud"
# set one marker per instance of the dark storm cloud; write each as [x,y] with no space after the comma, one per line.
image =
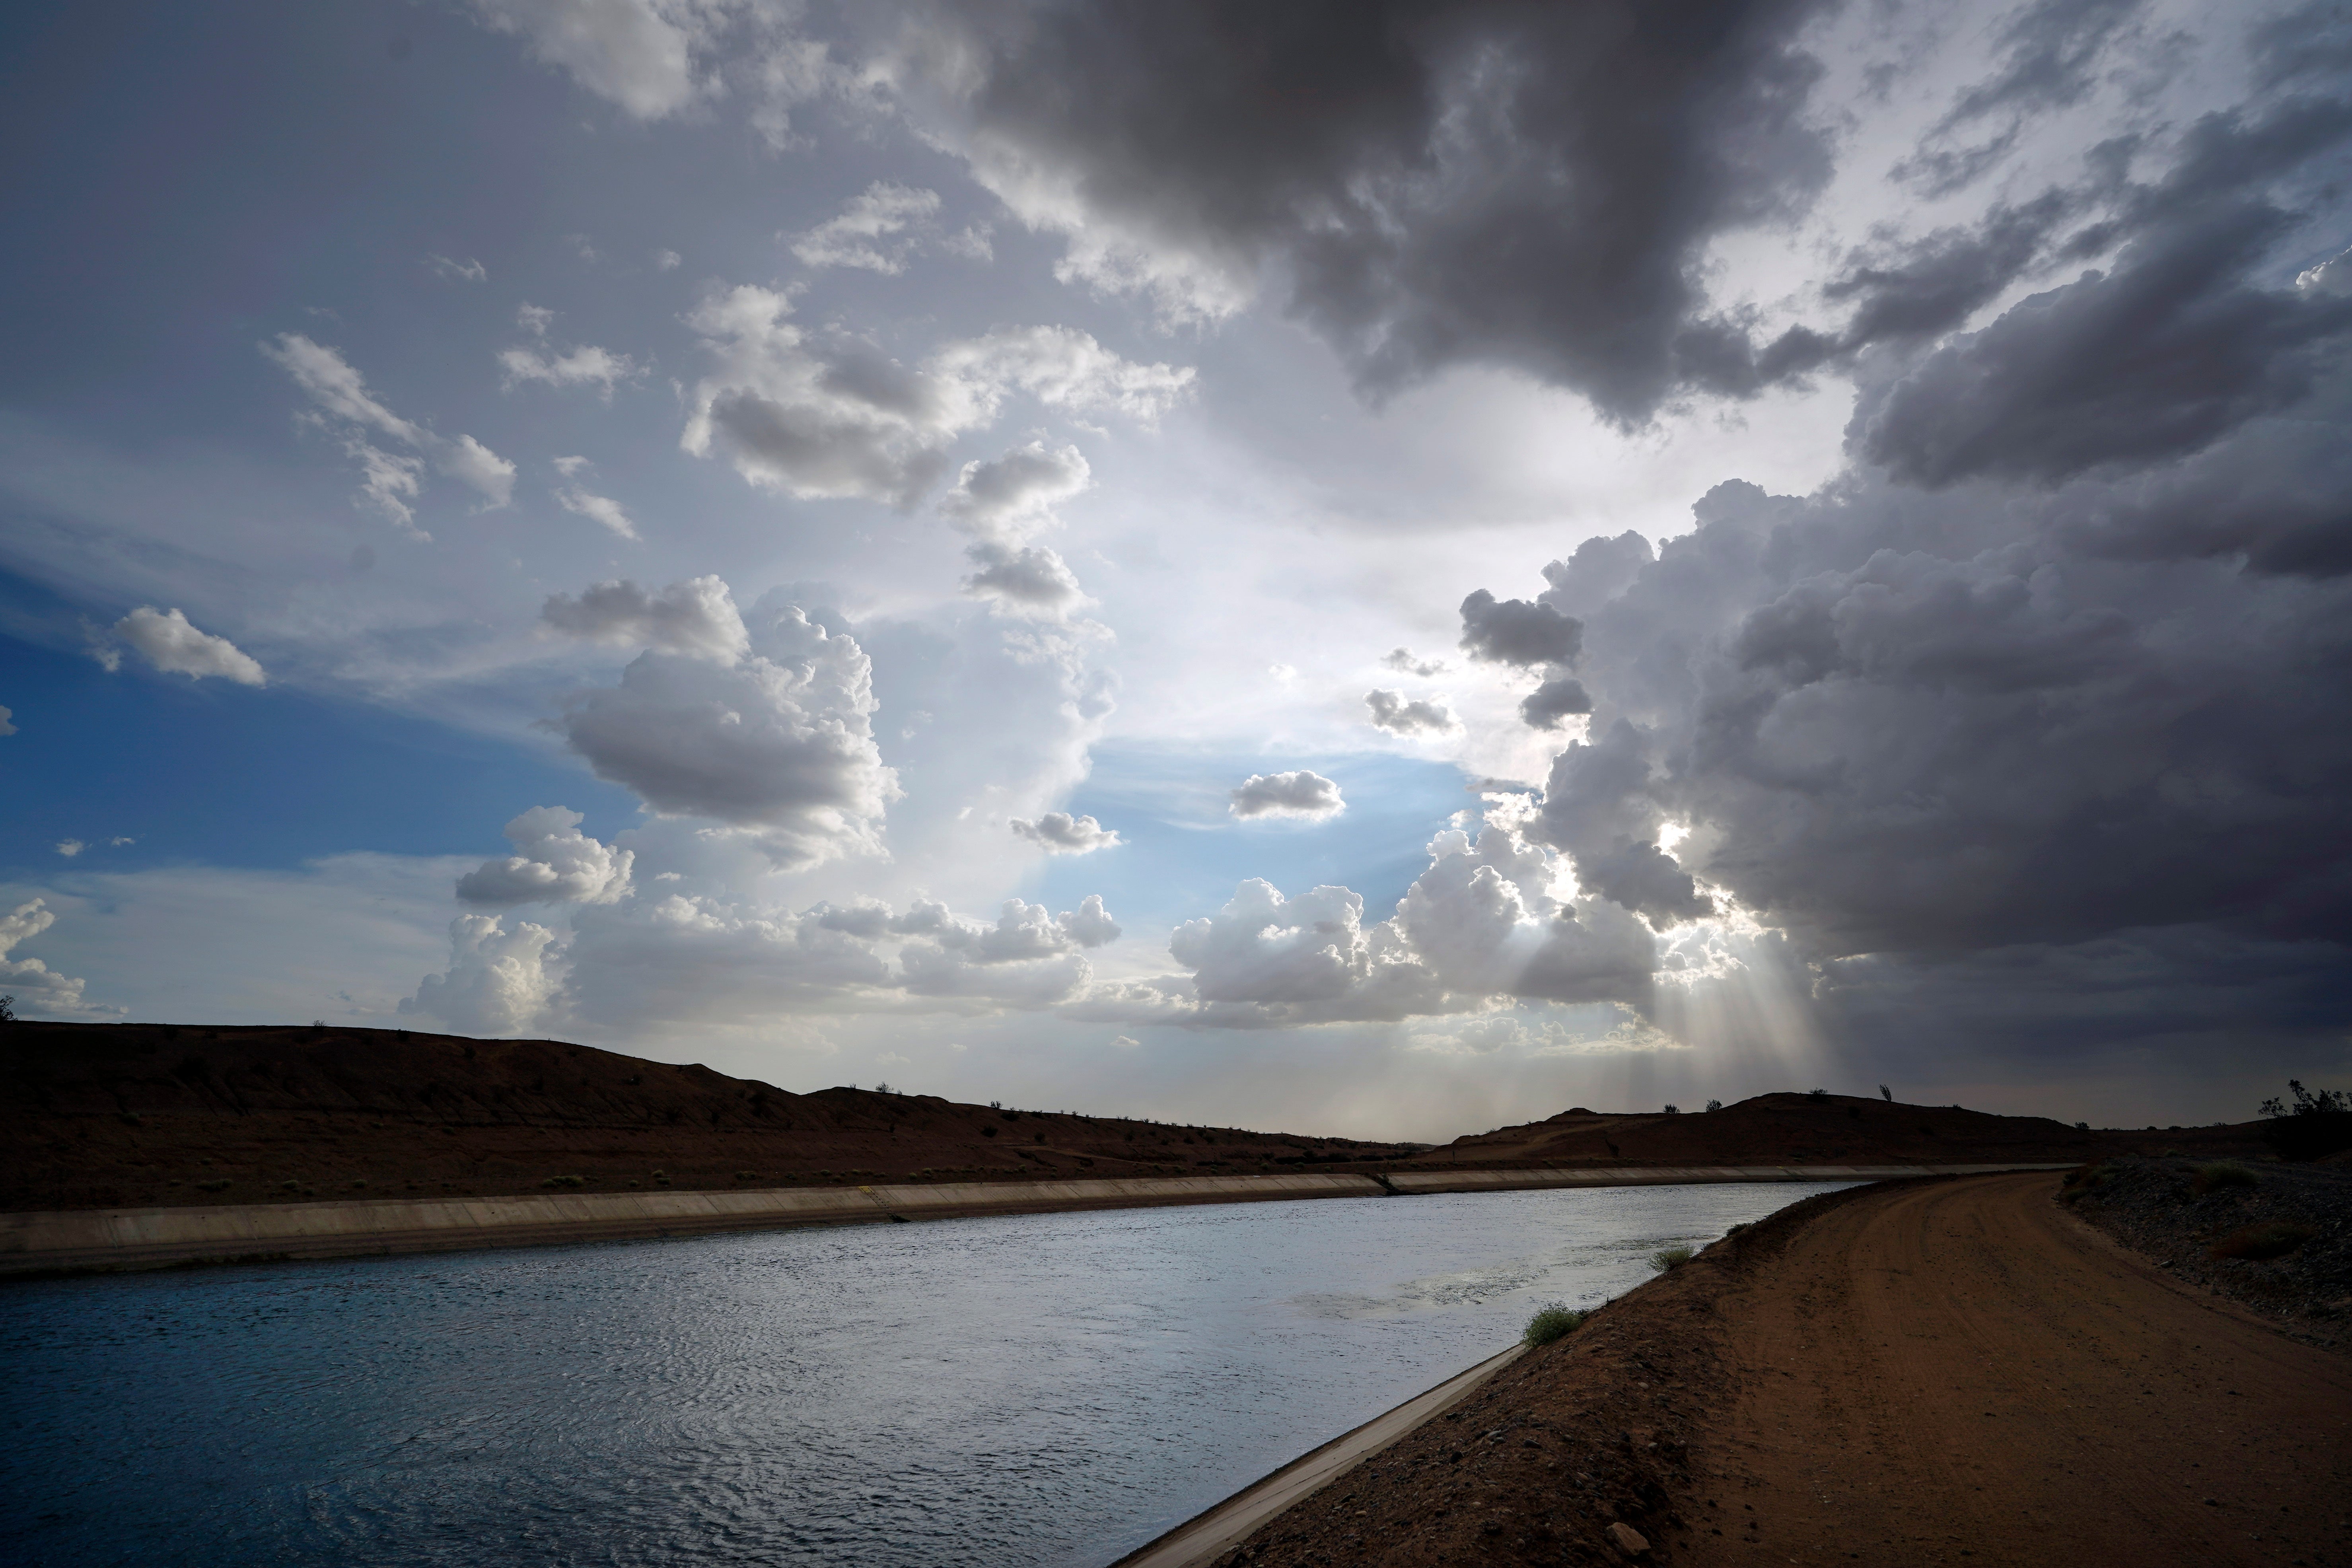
[1517,631]
[2178,344]
[2050,55]
[1554,699]
[1530,186]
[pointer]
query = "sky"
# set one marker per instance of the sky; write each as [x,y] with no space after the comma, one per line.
[1376,569]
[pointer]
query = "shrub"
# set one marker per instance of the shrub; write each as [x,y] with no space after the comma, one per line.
[561,1182]
[2219,1174]
[2271,1238]
[1674,1110]
[1817,1094]
[1714,1105]
[1553,1321]
[2315,1125]
[1670,1257]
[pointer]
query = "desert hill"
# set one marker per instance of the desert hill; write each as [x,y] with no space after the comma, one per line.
[105,1115]
[149,1114]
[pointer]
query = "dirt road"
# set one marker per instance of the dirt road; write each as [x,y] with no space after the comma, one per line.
[1953,1372]
[1963,1372]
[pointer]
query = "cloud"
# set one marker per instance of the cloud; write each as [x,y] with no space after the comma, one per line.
[37,987]
[865,234]
[1557,699]
[1485,183]
[500,980]
[1405,661]
[1391,713]
[780,744]
[475,466]
[697,618]
[1009,498]
[586,365]
[2333,276]
[165,641]
[656,58]
[1303,794]
[389,481]
[1031,580]
[69,848]
[829,414]
[1089,925]
[6,715]
[1517,631]
[554,863]
[468,270]
[1059,833]
[598,509]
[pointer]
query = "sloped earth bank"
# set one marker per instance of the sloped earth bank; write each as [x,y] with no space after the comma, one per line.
[1953,1371]
[2191,1217]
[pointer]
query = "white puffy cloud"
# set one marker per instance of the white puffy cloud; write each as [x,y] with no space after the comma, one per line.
[1392,713]
[499,981]
[1059,833]
[829,414]
[554,863]
[165,639]
[1089,925]
[389,480]
[697,618]
[780,743]
[865,234]
[2333,276]
[1029,581]
[1009,498]
[475,466]
[69,848]
[1303,794]
[34,984]
[6,713]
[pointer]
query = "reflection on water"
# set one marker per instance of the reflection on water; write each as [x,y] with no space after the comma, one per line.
[1042,1389]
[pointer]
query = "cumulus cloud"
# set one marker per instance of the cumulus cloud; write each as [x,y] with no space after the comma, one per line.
[37,987]
[1517,631]
[1302,793]
[867,232]
[1007,499]
[1059,833]
[1391,711]
[389,481]
[1029,581]
[779,743]
[501,979]
[554,863]
[1405,661]
[827,414]
[165,641]
[6,715]
[1533,187]
[697,618]
[69,848]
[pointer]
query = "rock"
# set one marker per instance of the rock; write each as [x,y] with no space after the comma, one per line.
[1630,1541]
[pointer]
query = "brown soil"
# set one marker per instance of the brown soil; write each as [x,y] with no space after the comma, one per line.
[102,1116]
[1952,1371]
[1831,1130]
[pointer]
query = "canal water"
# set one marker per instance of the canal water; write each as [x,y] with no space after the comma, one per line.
[1045,1389]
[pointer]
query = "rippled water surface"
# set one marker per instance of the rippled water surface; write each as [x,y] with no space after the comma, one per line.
[1050,1389]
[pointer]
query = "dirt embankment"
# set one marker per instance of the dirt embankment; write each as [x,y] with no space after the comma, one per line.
[1826,1130]
[2272,1236]
[138,1115]
[1953,1372]
[102,1116]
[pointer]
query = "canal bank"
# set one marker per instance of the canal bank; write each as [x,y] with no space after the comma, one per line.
[41,1244]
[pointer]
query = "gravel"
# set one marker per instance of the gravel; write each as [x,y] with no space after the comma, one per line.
[2153,1207]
